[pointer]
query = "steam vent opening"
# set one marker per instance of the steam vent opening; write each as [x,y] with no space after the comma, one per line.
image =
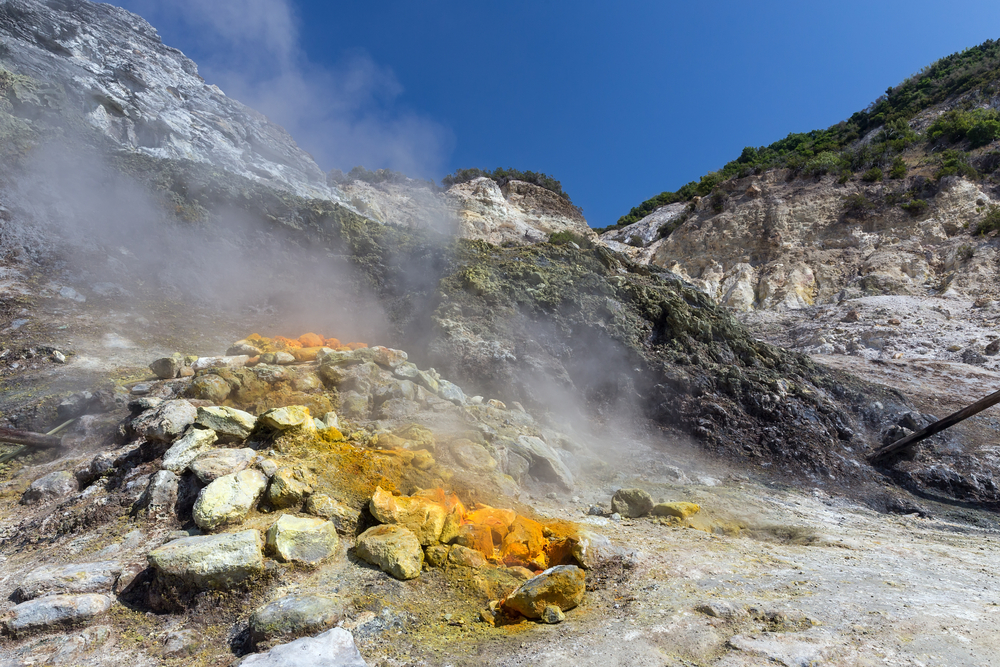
[259,411]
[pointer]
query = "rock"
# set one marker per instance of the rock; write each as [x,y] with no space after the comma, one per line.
[333,648]
[406,371]
[851,316]
[451,392]
[167,422]
[293,616]
[466,557]
[56,610]
[53,486]
[74,405]
[552,615]
[472,456]
[354,405]
[230,424]
[423,517]
[330,420]
[243,348]
[209,387]
[992,348]
[205,363]
[301,540]
[58,357]
[388,357]
[344,518]
[180,643]
[74,578]
[631,502]
[212,464]
[210,561]
[495,403]
[161,492]
[393,549]
[229,498]
[294,419]
[436,555]
[167,368]
[544,461]
[590,549]
[561,586]
[185,450]
[680,510]
[141,388]
[289,487]
[722,609]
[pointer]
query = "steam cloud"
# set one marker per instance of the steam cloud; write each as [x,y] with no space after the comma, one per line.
[344,115]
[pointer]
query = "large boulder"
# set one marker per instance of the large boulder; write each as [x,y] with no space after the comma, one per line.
[472,456]
[186,449]
[212,464]
[209,387]
[294,616]
[544,462]
[562,586]
[229,498]
[230,424]
[333,648]
[53,486]
[210,561]
[393,549]
[631,502]
[294,419]
[53,611]
[301,540]
[166,422]
[422,516]
[74,578]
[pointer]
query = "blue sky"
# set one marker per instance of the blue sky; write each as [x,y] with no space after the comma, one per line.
[619,101]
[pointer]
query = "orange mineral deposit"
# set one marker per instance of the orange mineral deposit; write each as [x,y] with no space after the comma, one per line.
[311,340]
[524,545]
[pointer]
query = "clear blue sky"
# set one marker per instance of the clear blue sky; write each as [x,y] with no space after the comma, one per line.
[619,101]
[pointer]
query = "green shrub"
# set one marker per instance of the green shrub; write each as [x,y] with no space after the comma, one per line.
[718,201]
[824,163]
[915,207]
[984,132]
[898,169]
[567,236]
[990,221]
[858,206]
[956,163]
[503,176]
[872,175]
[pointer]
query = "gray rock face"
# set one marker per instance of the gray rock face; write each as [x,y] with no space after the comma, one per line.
[166,422]
[161,494]
[333,648]
[543,460]
[212,464]
[211,561]
[122,82]
[293,616]
[184,451]
[53,486]
[65,579]
[55,610]
[230,424]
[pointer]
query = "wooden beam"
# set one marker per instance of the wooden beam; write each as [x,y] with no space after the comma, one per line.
[29,439]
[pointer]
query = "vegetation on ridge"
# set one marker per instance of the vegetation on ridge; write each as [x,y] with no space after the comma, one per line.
[834,149]
[503,176]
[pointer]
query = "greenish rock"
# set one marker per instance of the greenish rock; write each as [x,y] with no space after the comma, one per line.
[429,381]
[393,549]
[631,502]
[681,510]
[552,615]
[451,392]
[436,555]
[472,456]
[407,371]
[228,499]
[294,616]
[562,586]
[212,464]
[301,540]
[289,487]
[353,405]
[167,368]
[344,518]
[53,611]
[185,450]
[74,578]
[230,424]
[210,561]
[208,387]
[294,419]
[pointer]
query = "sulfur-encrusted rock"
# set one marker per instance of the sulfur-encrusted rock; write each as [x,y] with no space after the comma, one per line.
[436,555]
[294,419]
[230,424]
[301,540]
[211,561]
[53,486]
[562,586]
[55,610]
[74,578]
[212,464]
[289,487]
[393,549]
[333,648]
[466,557]
[209,387]
[293,616]
[543,460]
[631,502]
[423,517]
[552,615]
[681,510]
[472,456]
[229,498]
[344,518]
[194,442]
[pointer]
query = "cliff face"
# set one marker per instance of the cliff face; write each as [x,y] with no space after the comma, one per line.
[95,68]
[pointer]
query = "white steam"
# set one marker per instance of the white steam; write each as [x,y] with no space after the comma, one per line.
[345,115]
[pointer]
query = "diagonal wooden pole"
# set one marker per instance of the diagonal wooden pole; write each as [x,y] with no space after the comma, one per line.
[935,428]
